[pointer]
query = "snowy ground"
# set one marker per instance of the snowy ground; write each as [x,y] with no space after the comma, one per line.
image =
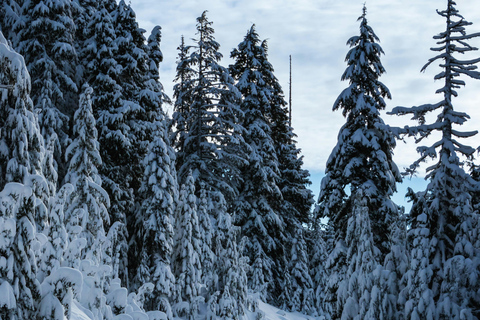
[271,313]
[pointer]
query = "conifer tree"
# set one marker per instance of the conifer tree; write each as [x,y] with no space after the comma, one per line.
[22,156]
[257,208]
[302,297]
[361,160]
[232,282]
[417,295]
[45,32]
[149,119]
[213,147]
[159,187]
[25,284]
[89,201]
[294,206]
[182,98]
[298,199]
[9,13]
[207,256]
[186,260]
[396,266]
[450,218]
[317,266]
[20,132]
[112,113]
[357,291]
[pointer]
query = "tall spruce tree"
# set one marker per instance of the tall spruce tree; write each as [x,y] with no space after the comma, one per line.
[448,197]
[362,159]
[207,116]
[186,259]
[20,131]
[21,158]
[45,36]
[259,204]
[160,189]
[113,113]
[294,206]
[89,201]
[151,123]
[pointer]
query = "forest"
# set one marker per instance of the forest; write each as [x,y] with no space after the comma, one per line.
[112,209]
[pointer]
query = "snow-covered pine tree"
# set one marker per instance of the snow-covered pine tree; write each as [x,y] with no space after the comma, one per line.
[186,261]
[358,293]
[22,155]
[160,190]
[155,57]
[53,250]
[318,254]
[112,113]
[232,282]
[18,272]
[89,202]
[131,53]
[207,256]
[417,295]
[213,148]
[294,208]
[302,295]
[20,133]
[448,196]
[9,13]
[395,267]
[149,119]
[297,198]
[362,158]
[257,208]
[182,99]
[45,35]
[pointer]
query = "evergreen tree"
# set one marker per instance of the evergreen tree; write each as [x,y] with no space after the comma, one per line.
[213,147]
[232,282]
[112,113]
[159,187]
[20,133]
[207,256]
[186,260]
[182,98]
[396,265]
[260,200]
[89,201]
[294,207]
[357,291]
[24,278]
[45,32]
[302,297]
[362,158]
[9,14]
[149,119]
[450,218]
[417,295]
[317,266]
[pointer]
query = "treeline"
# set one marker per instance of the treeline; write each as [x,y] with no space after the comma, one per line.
[114,210]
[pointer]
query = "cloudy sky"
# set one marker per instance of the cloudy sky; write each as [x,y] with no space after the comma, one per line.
[315,32]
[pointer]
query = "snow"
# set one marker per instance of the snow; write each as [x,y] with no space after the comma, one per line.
[272,313]
[79,313]
[7,297]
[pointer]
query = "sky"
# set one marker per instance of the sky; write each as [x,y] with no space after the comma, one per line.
[314,33]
